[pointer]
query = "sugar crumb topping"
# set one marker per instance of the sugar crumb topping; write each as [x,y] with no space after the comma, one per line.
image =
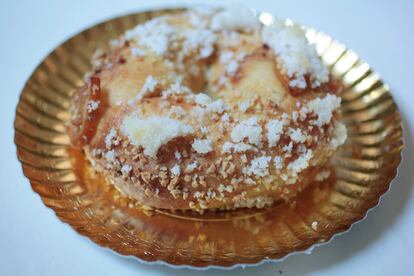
[274,130]
[278,162]
[111,138]
[92,106]
[235,19]
[126,169]
[225,188]
[244,106]
[225,118]
[191,167]
[258,201]
[175,170]
[301,163]
[229,147]
[202,146]
[231,38]
[199,39]
[110,156]
[324,107]
[204,129]
[217,106]
[154,34]
[176,89]
[295,56]
[202,99]
[249,129]
[177,111]
[232,67]
[196,20]
[259,166]
[296,135]
[339,135]
[288,148]
[161,37]
[226,56]
[153,132]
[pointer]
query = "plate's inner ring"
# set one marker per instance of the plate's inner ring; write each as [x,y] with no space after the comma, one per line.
[362,169]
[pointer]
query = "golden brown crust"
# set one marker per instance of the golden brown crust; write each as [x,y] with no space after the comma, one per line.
[253,141]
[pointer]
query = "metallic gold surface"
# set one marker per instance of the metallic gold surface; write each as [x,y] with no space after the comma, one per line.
[362,169]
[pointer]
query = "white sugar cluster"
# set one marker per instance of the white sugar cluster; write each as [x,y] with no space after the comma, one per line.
[323,108]
[259,166]
[111,138]
[301,163]
[92,106]
[296,135]
[244,106]
[126,169]
[202,146]
[207,105]
[236,18]
[340,135]
[248,129]
[154,34]
[161,37]
[177,88]
[202,99]
[153,132]
[232,62]
[175,170]
[295,56]
[229,147]
[274,130]
[199,39]
[217,106]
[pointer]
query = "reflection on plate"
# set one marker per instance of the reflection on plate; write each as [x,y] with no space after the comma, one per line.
[362,169]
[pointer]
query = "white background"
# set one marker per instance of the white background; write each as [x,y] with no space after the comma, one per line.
[34,242]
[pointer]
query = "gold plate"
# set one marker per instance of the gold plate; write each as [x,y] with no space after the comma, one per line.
[363,168]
